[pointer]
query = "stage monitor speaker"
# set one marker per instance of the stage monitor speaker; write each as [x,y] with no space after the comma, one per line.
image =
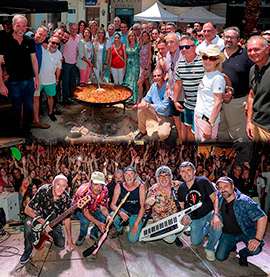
[2,218]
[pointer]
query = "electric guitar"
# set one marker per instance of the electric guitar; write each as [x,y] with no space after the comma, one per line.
[40,235]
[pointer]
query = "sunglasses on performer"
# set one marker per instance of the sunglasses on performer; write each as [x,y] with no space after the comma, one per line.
[185,46]
[57,43]
[163,176]
[211,59]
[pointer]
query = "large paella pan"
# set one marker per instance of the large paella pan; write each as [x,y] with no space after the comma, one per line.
[109,95]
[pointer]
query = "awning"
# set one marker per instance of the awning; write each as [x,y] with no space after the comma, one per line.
[202,15]
[32,6]
[155,13]
[192,3]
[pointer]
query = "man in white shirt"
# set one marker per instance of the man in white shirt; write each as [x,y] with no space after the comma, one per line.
[50,71]
[209,33]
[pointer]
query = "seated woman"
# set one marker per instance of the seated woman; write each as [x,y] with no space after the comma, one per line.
[209,95]
[118,60]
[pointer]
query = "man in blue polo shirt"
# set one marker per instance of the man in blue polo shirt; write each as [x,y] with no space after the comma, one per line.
[236,67]
[159,110]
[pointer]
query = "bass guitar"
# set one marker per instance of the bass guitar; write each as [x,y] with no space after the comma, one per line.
[40,235]
[92,250]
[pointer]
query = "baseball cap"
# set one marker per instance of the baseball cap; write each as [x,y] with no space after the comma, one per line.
[131,167]
[98,178]
[225,179]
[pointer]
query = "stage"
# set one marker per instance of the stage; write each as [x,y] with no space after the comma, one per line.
[118,257]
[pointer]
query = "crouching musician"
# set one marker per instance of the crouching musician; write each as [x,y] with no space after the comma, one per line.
[49,199]
[161,198]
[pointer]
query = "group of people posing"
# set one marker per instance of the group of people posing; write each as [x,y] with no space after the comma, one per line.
[226,215]
[209,87]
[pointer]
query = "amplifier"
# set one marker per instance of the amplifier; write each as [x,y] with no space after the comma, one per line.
[10,203]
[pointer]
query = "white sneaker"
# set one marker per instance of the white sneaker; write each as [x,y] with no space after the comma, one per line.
[210,255]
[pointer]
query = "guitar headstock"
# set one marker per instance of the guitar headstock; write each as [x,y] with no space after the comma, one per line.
[83,201]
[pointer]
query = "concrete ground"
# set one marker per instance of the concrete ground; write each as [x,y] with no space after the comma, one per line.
[118,257]
[81,122]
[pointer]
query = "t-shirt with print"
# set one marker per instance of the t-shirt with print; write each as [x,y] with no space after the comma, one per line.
[201,189]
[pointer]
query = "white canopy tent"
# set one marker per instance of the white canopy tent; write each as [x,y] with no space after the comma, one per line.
[202,15]
[155,13]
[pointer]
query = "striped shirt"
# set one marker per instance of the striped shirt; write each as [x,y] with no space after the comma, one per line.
[191,75]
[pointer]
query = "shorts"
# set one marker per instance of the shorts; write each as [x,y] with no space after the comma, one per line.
[189,119]
[50,90]
[175,112]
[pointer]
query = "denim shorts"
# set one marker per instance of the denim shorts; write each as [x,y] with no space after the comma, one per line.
[189,119]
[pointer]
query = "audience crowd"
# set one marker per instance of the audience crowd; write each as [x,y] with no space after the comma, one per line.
[40,164]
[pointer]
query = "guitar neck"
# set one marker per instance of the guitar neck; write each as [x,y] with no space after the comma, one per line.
[63,215]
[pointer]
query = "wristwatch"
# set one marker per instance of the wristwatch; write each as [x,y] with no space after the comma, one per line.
[211,124]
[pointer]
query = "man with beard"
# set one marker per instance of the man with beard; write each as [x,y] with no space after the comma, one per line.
[239,214]
[94,211]
[205,220]
[50,71]
[160,197]
[20,60]
[133,209]
[64,40]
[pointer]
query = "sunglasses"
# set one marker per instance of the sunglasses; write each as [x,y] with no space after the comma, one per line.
[57,43]
[185,47]
[200,36]
[211,59]
[163,176]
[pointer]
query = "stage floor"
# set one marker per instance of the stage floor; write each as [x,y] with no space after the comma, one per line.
[118,257]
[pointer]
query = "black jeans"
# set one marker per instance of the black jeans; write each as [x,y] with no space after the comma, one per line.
[57,234]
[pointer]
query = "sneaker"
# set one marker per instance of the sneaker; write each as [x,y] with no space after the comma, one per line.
[243,261]
[178,242]
[210,255]
[52,117]
[25,257]
[40,125]
[116,234]
[80,240]
[94,237]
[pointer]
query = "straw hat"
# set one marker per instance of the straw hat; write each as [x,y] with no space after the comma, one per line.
[213,50]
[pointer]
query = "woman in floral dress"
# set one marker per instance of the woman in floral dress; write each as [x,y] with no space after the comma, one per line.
[133,65]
